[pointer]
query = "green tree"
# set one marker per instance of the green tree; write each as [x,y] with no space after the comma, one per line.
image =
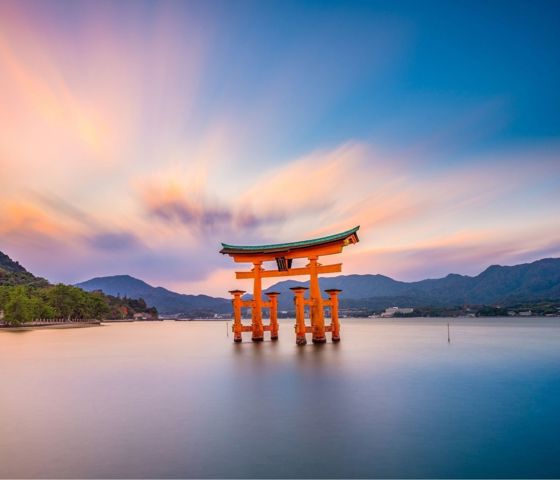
[4,296]
[18,309]
[97,305]
[63,300]
[40,308]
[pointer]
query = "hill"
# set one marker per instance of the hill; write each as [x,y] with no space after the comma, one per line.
[496,285]
[25,297]
[12,273]
[166,301]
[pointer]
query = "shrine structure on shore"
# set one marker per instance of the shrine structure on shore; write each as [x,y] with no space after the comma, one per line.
[282,255]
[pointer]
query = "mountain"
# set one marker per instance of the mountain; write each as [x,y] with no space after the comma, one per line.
[25,297]
[12,273]
[166,301]
[495,285]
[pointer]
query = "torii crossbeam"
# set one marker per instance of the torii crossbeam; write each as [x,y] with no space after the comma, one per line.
[283,254]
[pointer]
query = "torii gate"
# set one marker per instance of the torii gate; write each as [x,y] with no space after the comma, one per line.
[283,254]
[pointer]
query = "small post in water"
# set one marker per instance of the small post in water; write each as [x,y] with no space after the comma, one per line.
[448,336]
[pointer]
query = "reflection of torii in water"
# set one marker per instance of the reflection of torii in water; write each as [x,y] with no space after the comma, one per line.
[283,254]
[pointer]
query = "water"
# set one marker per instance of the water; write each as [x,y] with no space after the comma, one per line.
[179,399]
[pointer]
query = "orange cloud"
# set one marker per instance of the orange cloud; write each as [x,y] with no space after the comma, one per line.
[111,125]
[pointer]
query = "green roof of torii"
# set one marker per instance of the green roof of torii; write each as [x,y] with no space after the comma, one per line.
[284,247]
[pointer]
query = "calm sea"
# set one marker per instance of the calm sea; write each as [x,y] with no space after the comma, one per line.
[179,399]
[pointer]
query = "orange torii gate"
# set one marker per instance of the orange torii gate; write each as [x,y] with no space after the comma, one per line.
[283,254]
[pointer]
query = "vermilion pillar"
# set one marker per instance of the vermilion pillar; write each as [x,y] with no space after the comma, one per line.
[335,323]
[236,327]
[299,303]
[273,298]
[258,331]
[317,313]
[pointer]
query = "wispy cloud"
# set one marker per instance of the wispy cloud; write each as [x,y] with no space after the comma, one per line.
[135,140]
[113,241]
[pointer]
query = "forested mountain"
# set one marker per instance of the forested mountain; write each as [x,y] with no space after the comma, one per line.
[164,300]
[12,273]
[497,284]
[25,297]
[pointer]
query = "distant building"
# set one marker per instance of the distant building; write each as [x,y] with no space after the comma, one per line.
[391,311]
[526,313]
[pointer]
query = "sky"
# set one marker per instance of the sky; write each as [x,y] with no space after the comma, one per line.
[136,136]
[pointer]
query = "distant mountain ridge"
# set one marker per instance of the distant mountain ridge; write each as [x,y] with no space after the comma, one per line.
[495,285]
[166,301]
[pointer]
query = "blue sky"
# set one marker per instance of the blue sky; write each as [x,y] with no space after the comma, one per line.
[138,135]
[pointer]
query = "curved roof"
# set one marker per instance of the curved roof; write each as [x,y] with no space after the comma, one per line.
[286,247]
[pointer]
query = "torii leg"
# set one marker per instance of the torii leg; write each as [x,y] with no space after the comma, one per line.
[258,332]
[317,313]
[237,326]
[300,314]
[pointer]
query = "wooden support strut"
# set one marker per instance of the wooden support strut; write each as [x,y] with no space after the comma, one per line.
[333,303]
[273,306]
[237,327]
[300,314]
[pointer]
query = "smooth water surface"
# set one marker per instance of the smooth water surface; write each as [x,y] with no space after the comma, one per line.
[179,399]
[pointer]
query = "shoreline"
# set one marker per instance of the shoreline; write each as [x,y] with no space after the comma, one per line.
[393,320]
[48,326]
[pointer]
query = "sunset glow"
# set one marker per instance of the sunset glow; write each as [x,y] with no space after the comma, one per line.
[135,136]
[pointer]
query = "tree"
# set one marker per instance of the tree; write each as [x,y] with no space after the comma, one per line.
[68,301]
[97,305]
[40,308]
[24,302]
[18,309]
[4,296]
